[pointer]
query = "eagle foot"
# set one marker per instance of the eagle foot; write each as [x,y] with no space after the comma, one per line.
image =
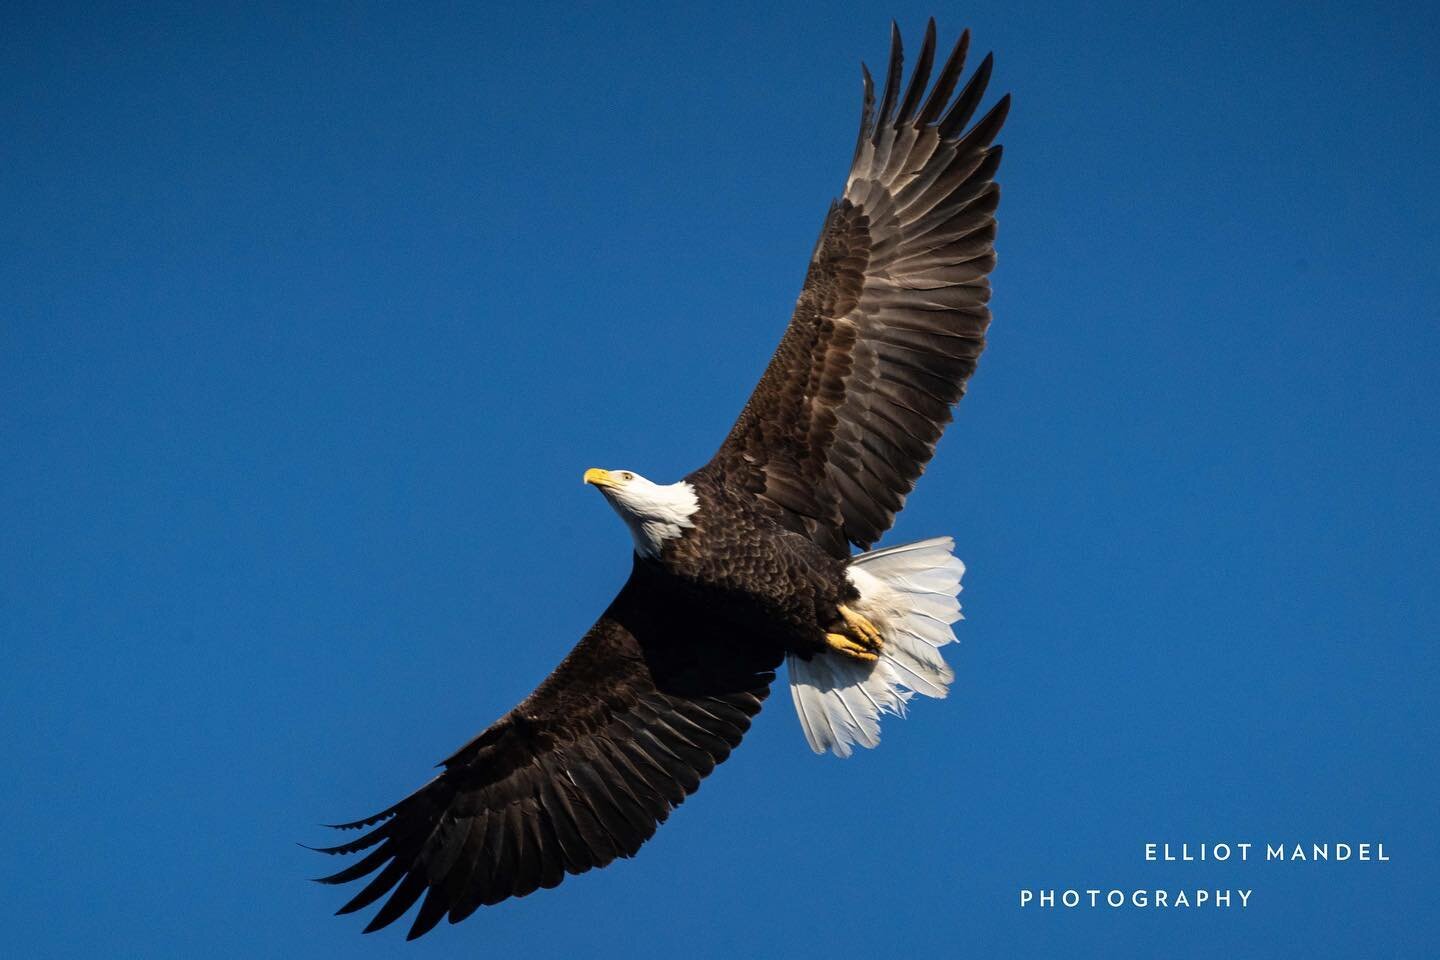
[864,632]
[844,645]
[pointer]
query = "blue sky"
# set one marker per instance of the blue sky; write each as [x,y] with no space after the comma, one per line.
[311,320]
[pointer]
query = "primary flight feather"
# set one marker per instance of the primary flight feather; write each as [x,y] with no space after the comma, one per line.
[747,562]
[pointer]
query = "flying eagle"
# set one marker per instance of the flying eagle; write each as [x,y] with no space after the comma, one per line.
[747,561]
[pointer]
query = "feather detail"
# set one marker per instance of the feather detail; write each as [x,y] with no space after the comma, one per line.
[896,293]
[909,593]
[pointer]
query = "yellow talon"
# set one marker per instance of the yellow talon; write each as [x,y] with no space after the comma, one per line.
[865,631]
[843,644]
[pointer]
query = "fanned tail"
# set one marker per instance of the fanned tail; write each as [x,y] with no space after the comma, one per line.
[910,593]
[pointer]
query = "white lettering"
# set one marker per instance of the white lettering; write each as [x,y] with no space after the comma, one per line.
[1116,898]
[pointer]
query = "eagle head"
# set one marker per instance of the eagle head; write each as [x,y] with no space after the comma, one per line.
[654,512]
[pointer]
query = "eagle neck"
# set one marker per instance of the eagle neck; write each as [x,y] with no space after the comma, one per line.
[666,513]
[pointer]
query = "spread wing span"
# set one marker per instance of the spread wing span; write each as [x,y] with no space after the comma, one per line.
[580,773]
[892,316]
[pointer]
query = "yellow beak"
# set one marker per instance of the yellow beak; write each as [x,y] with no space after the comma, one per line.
[599,478]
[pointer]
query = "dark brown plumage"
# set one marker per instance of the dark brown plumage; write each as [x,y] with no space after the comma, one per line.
[887,330]
[891,319]
[581,772]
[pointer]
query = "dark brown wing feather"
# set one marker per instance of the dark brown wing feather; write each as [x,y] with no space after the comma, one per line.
[581,772]
[892,317]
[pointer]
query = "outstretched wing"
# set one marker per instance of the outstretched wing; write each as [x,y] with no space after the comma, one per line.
[580,773]
[891,319]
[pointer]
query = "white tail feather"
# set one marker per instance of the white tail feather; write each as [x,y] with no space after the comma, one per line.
[909,593]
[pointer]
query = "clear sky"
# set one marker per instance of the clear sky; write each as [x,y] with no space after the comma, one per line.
[311,320]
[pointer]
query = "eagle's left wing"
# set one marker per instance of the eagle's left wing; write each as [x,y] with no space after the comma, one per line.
[891,319]
[581,772]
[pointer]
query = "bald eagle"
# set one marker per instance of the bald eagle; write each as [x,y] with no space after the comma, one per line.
[747,562]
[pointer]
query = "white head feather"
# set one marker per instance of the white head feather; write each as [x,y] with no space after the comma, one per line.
[654,512]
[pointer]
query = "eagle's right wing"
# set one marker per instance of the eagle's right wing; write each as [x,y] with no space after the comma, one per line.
[891,319]
[581,772]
